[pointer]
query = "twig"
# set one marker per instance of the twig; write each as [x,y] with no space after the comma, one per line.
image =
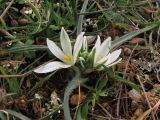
[110,116]
[125,71]
[118,102]
[146,113]
[150,4]
[157,74]
[149,105]
[16,76]
[79,97]
[7,8]
[22,75]
[6,33]
[124,75]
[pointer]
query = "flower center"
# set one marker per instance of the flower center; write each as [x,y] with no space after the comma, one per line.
[68,58]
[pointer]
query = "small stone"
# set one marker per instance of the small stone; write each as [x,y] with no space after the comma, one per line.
[127,51]
[14,23]
[23,21]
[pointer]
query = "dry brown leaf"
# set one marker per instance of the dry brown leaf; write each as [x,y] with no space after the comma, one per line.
[137,113]
[3,98]
[115,32]
[137,40]
[146,113]
[156,87]
[150,10]
[136,99]
[36,106]
[122,65]
[130,67]
[11,62]
[152,98]
[76,99]
[22,103]
[54,99]
[3,95]
[134,95]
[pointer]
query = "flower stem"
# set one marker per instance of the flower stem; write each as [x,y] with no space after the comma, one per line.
[71,86]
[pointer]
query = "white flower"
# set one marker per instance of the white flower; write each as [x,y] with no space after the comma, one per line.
[67,55]
[103,55]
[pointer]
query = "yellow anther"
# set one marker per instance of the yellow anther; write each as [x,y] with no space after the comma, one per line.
[68,58]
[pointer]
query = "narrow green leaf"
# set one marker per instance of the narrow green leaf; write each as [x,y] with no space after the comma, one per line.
[128,36]
[119,78]
[79,117]
[37,14]
[127,82]
[13,83]
[80,19]
[90,59]
[84,110]
[27,48]
[16,114]
[101,84]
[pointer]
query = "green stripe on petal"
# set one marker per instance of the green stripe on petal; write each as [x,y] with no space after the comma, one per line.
[65,42]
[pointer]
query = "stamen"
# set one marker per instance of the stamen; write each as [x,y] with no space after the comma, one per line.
[68,58]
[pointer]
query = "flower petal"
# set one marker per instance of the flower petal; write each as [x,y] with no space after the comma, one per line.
[108,60]
[104,48]
[78,46]
[116,62]
[51,66]
[113,57]
[55,49]
[65,42]
[98,42]
[97,47]
[109,41]
[104,59]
